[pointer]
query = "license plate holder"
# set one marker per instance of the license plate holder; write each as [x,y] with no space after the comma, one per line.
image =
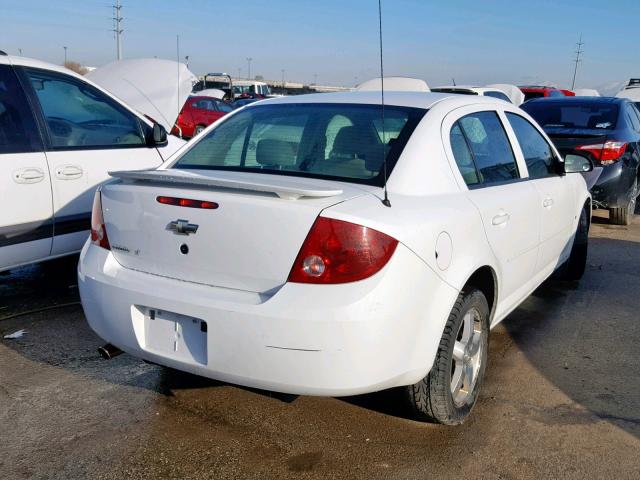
[177,336]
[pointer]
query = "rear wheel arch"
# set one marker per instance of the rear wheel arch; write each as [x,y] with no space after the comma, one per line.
[485,280]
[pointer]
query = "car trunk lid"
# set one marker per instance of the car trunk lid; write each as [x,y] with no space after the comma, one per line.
[249,242]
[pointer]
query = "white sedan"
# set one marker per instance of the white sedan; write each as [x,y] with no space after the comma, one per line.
[266,255]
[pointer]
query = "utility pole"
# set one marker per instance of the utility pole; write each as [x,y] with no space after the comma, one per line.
[315,78]
[249,59]
[239,73]
[117,28]
[283,79]
[579,52]
[65,55]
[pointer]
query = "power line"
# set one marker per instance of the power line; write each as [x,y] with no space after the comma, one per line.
[577,60]
[117,28]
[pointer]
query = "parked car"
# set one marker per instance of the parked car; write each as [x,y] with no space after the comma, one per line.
[608,130]
[531,92]
[304,245]
[250,89]
[465,90]
[197,114]
[241,102]
[631,91]
[60,134]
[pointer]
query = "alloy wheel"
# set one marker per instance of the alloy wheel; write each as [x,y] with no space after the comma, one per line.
[467,358]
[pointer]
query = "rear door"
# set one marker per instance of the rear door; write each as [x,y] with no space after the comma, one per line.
[87,134]
[508,204]
[26,214]
[556,194]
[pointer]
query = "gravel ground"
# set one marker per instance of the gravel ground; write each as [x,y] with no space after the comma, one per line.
[561,398]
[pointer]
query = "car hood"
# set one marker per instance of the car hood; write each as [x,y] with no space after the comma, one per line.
[514,93]
[156,88]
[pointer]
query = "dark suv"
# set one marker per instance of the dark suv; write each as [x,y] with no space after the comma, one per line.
[606,128]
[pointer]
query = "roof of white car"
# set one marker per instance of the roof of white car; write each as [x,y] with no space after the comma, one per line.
[32,62]
[404,99]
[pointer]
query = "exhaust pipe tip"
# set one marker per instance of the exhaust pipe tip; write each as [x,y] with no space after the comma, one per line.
[108,351]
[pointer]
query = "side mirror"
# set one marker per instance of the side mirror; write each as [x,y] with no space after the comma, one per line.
[159,135]
[576,163]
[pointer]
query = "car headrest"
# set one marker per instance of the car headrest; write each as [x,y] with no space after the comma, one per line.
[277,153]
[356,142]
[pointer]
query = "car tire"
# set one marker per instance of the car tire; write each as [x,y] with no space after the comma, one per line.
[624,215]
[573,269]
[447,394]
[198,130]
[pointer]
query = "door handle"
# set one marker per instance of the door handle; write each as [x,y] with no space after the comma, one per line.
[28,175]
[500,219]
[547,202]
[69,172]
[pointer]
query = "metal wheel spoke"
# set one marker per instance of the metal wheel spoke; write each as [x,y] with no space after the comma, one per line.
[475,344]
[468,374]
[467,327]
[457,380]
[458,352]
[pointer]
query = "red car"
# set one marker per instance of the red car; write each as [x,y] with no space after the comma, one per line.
[541,91]
[197,114]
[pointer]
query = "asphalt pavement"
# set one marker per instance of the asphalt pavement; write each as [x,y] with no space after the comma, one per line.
[561,397]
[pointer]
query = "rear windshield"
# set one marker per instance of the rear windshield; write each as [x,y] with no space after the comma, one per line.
[573,115]
[336,141]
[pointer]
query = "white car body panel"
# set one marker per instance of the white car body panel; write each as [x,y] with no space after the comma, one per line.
[155,87]
[394,84]
[65,192]
[512,91]
[343,339]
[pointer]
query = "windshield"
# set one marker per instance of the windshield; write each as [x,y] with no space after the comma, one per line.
[573,115]
[337,141]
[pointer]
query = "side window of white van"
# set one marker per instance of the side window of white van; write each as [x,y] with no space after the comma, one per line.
[80,116]
[18,131]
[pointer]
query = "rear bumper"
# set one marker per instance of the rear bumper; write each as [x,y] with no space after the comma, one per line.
[330,340]
[614,186]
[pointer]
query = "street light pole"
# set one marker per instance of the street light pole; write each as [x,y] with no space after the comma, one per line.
[249,59]
[283,80]
[65,55]
[239,73]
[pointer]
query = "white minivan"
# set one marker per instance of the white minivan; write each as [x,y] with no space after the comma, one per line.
[59,136]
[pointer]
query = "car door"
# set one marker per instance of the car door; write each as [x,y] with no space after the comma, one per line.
[26,224]
[505,200]
[87,134]
[556,193]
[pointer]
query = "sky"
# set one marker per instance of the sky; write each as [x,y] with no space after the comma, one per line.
[336,41]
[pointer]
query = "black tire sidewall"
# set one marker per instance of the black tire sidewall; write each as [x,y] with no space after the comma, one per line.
[440,376]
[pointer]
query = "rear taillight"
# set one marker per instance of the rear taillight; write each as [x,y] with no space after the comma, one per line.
[98,230]
[339,252]
[607,153]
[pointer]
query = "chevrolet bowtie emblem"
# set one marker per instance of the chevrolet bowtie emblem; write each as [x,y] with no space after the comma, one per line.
[182,227]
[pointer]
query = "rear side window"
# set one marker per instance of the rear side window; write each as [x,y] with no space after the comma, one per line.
[632,115]
[18,130]
[572,114]
[539,157]
[340,141]
[463,156]
[80,116]
[488,144]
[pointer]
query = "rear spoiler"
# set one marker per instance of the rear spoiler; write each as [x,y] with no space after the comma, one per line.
[290,188]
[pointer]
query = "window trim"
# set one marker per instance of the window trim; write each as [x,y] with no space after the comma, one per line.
[23,74]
